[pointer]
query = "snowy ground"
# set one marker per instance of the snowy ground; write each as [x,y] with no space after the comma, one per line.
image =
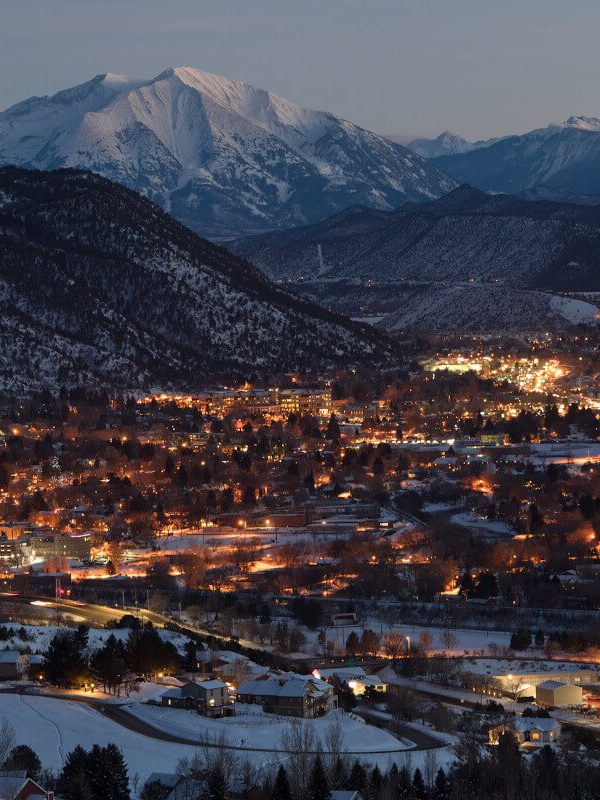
[504,666]
[473,521]
[251,727]
[43,634]
[54,727]
[464,640]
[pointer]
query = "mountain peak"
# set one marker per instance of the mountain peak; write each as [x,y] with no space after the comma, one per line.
[226,158]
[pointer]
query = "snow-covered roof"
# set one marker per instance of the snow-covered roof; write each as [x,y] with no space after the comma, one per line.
[551,684]
[544,724]
[213,684]
[9,656]
[343,673]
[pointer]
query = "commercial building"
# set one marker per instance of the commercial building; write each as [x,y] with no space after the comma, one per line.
[558,694]
[63,545]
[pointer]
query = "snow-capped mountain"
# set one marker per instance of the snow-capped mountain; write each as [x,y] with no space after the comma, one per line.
[563,157]
[469,261]
[100,286]
[447,143]
[222,156]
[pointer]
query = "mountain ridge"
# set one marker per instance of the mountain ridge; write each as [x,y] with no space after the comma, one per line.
[99,285]
[220,155]
[467,243]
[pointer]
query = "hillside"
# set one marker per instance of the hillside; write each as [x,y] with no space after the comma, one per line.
[374,261]
[98,285]
[223,157]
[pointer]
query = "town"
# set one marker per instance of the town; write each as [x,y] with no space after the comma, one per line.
[358,573]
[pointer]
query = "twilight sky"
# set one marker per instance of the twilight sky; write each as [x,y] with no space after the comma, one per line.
[413,67]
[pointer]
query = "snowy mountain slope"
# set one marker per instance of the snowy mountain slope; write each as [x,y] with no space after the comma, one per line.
[492,308]
[447,143]
[99,285]
[564,156]
[467,234]
[378,262]
[222,156]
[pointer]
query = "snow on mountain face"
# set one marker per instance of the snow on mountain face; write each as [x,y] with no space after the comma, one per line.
[476,308]
[98,285]
[222,156]
[447,143]
[564,157]
[444,144]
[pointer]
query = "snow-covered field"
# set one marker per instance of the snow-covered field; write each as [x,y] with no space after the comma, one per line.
[54,727]
[250,728]
[473,521]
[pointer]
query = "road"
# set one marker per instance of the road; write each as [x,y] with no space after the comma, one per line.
[117,713]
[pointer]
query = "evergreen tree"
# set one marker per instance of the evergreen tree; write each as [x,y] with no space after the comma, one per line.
[357,778]
[441,787]
[318,788]
[22,757]
[352,644]
[64,662]
[73,782]
[404,784]
[107,773]
[333,429]
[419,788]
[375,783]
[216,788]
[281,788]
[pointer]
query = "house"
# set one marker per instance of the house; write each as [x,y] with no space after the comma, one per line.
[9,665]
[356,678]
[210,698]
[294,696]
[527,730]
[17,786]
[558,694]
[187,789]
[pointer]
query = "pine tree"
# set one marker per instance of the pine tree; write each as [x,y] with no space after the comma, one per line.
[441,788]
[73,782]
[418,783]
[216,788]
[281,788]
[22,757]
[117,786]
[357,778]
[318,788]
[375,782]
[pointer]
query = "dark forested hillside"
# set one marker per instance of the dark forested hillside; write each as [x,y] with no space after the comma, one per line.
[98,284]
[449,263]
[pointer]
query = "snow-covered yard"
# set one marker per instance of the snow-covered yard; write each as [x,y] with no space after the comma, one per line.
[252,728]
[54,727]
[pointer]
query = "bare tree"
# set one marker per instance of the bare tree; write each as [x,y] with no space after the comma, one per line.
[299,744]
[431,767]
[333,746]
[7,739]
[448,640]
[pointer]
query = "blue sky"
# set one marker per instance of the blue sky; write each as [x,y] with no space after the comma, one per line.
[478,67]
